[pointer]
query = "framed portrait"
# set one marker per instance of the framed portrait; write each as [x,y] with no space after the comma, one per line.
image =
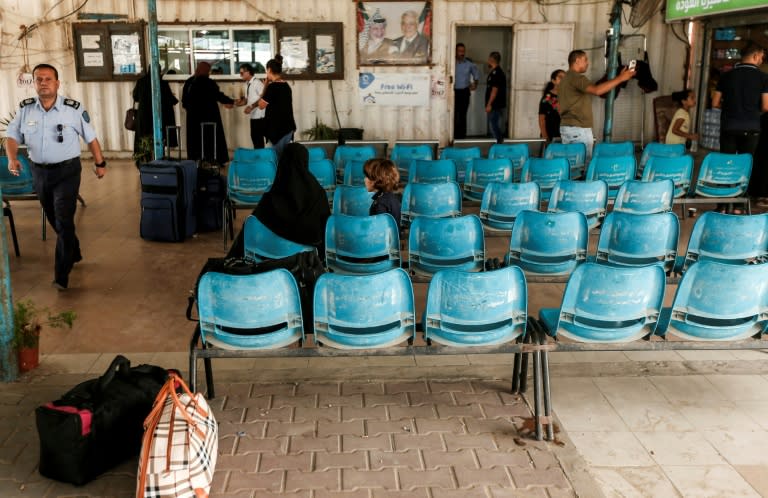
[394,33]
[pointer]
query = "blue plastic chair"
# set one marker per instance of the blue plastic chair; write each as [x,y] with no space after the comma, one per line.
[325,172]
[490,309]
[481,172]
[430,199]
[548,243]
[545,172]
[16,185]
[261,311]
[638,239]
[517,153]
[729,239]
[403,155]
[346,153]
[364,311]
[719,302]
[679,169]
[656,149]
[316,153]
[262,243]
[361,244]
[462,158]
[352,201]
[613,170]
[608,304]
[354,174]
[645,197]
[438,243]
[502,202]
[723,175]
[246,184]
[432,171]
[607,149]
[246,155]
[589,198]
[575,153]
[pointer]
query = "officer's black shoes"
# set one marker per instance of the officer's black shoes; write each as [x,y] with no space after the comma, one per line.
[60,286]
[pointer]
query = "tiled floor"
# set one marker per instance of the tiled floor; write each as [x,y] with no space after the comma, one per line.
[639,424]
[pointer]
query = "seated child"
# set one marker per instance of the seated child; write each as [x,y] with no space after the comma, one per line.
[381,176]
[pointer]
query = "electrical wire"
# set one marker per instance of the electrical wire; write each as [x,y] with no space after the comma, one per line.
[681,38]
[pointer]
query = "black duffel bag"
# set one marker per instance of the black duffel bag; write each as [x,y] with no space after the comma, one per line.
[99,423]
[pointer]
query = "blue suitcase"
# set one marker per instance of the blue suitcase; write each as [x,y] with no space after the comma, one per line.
[168,200]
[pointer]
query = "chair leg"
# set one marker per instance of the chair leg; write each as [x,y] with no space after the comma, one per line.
[523,385]
[7,212]
[516,373]
[225,221]
[547,395]
[537,394]
[209,378]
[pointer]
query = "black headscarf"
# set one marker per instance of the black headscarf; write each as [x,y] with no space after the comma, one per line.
[296,207]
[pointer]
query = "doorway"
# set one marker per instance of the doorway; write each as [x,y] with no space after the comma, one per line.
[480,42]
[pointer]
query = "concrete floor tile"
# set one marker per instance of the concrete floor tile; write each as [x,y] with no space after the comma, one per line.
[740,447]
[713,355]
[756,476]
[611,449]
[679,448]
[740,387]
[652,416]
[653,356]
[633,482]
[687,388]
[71,363]
[438,361]
[620,390]
[712,481]
[756,411]
[716,416]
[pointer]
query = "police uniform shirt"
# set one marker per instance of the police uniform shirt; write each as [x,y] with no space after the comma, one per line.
[40,130]
[253,89]
[466,72]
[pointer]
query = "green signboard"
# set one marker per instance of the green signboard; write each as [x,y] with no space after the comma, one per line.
[687,9]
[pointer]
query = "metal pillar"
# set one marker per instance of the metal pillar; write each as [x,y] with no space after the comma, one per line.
[9,368]
[154,68]
[614,37]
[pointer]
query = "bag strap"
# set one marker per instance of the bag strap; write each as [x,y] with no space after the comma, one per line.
[119,364]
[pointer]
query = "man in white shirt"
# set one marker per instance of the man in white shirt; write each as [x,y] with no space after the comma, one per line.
[254,88]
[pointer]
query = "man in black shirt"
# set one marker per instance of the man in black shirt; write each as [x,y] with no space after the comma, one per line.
[742,94]
[495,95]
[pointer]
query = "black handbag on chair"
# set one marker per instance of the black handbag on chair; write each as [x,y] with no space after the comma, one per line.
[99,423]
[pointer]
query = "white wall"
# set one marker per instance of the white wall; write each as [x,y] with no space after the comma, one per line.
[107,102]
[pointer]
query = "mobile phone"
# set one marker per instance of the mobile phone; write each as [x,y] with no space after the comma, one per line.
[632,64]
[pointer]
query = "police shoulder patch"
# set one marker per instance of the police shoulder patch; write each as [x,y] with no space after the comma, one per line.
[28,101]
[72,103]
[86,117]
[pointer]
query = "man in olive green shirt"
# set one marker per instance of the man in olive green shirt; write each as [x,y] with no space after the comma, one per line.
[574,96]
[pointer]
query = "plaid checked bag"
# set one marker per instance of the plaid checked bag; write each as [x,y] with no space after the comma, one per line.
[178,454]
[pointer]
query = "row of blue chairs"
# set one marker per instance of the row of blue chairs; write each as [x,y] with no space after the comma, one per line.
[714,301]
[542,244]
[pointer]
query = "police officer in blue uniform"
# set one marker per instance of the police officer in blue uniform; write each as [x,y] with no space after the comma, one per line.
[51,127]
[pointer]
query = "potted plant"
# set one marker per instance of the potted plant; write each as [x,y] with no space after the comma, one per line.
[320,131]
[28,321]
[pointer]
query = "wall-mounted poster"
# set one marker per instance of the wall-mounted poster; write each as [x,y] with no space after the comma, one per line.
[394,89]
[394,33]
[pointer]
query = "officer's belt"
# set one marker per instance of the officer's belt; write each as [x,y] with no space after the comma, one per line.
[68,162]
